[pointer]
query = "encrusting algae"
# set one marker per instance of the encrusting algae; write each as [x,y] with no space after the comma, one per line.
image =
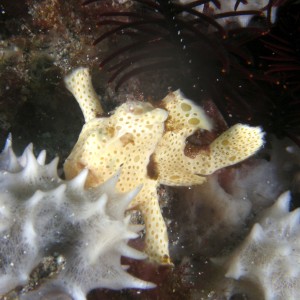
[138,135]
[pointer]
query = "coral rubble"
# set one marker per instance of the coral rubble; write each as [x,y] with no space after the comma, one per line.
[83,232]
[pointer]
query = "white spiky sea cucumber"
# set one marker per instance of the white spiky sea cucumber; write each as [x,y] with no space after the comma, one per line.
[268,260]
[41,214]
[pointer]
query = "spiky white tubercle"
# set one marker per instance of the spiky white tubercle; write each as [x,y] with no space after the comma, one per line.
[8,160]
[41,214]
[269,257]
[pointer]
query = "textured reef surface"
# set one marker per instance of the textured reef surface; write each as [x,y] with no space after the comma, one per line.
[225,236]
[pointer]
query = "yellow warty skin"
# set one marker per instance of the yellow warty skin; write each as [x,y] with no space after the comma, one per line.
[138,137]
